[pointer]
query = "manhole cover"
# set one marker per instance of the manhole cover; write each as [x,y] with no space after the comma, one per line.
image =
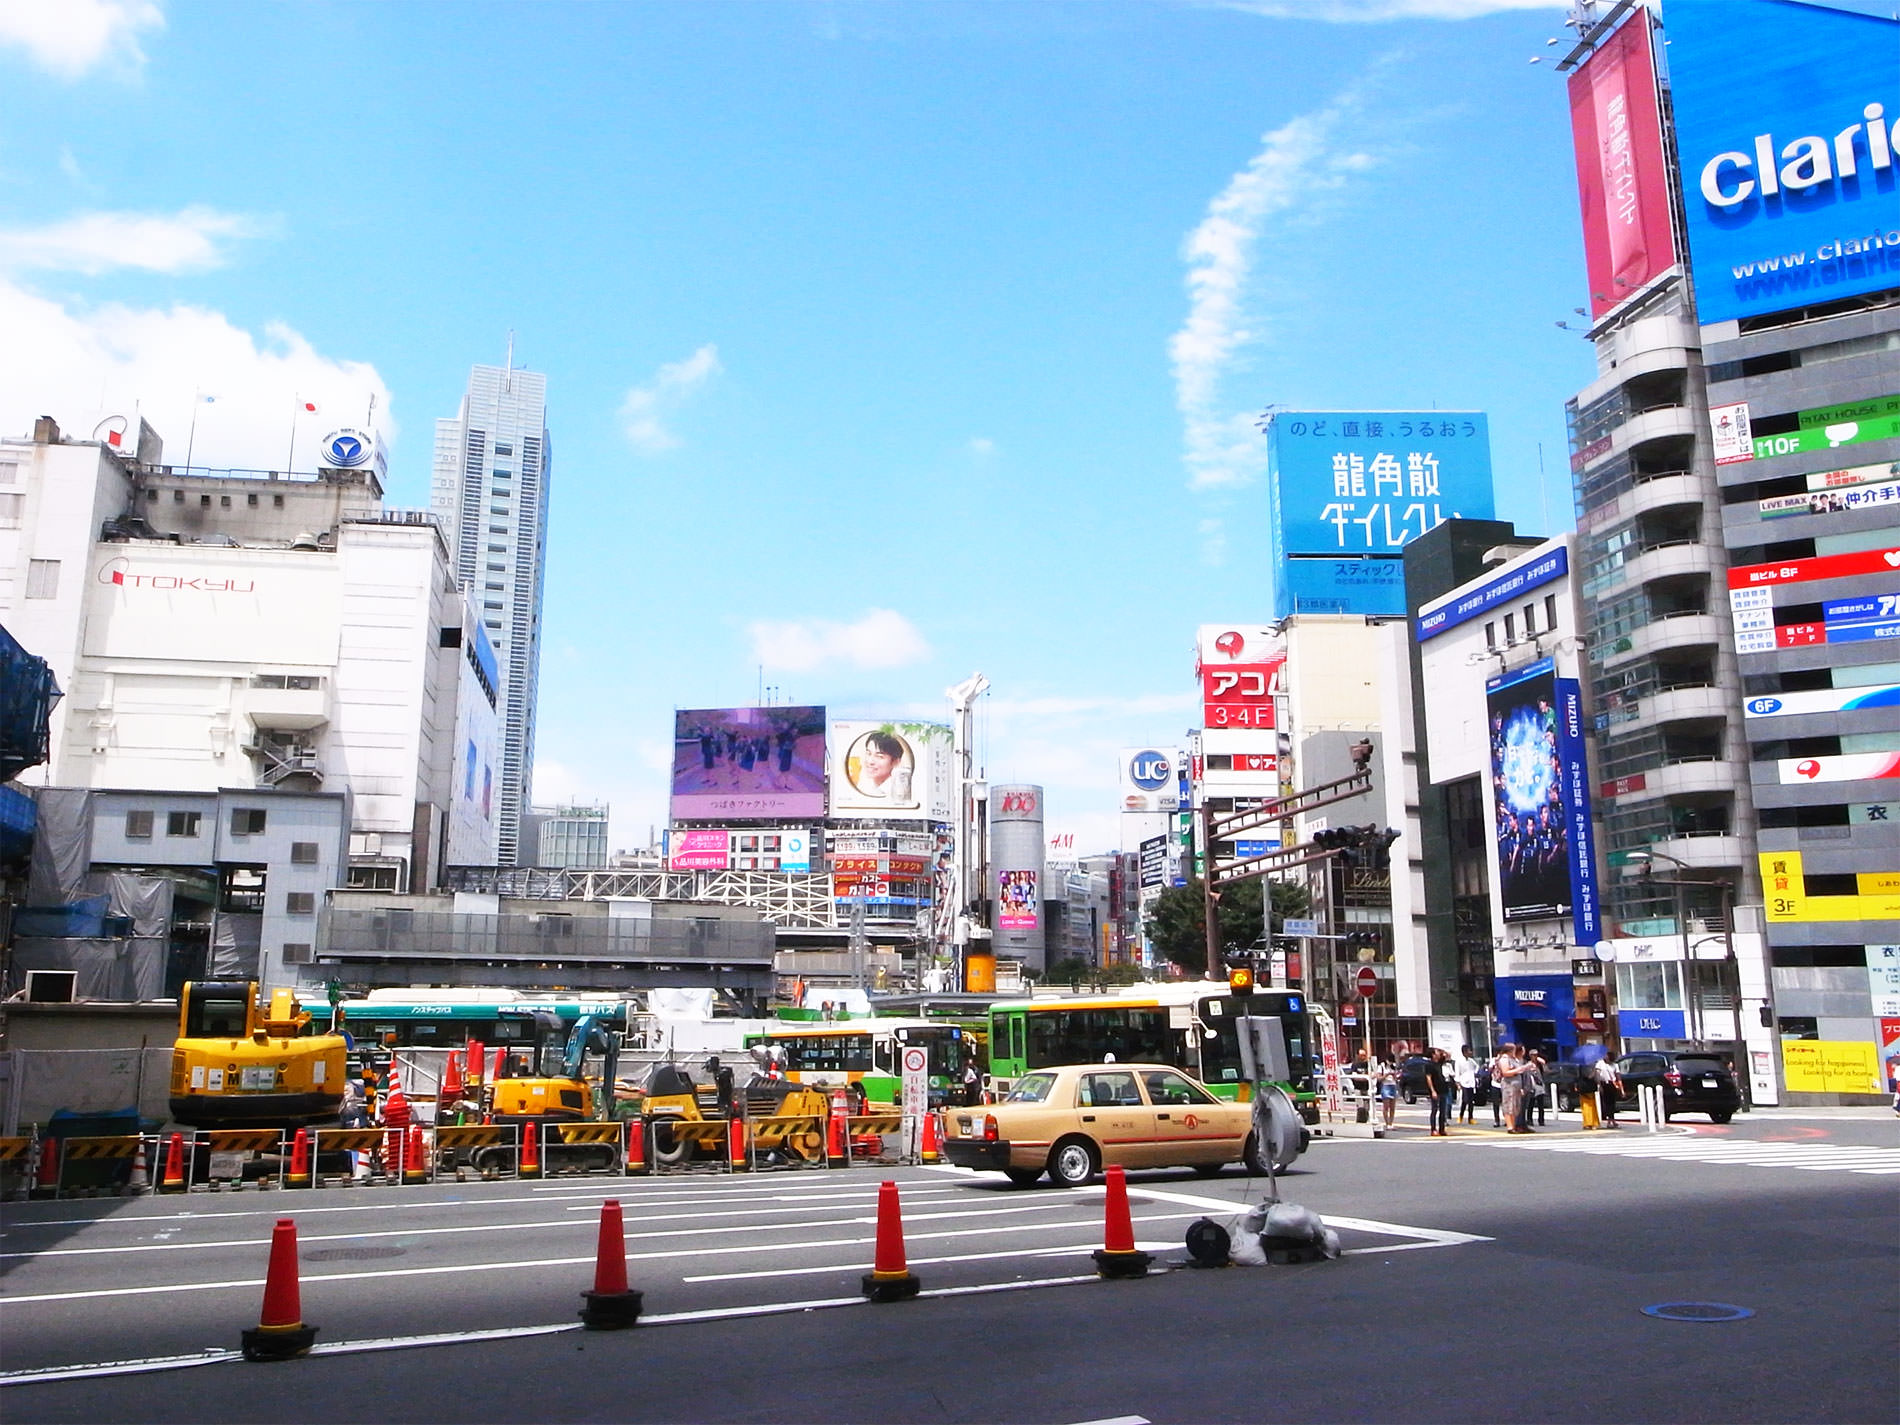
[354,1254]
[1697,1311]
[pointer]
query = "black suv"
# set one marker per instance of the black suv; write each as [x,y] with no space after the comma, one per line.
[1414,1073]
[1691,1083]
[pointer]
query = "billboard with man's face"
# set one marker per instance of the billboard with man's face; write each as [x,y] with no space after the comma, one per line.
[891,769]
[739,764]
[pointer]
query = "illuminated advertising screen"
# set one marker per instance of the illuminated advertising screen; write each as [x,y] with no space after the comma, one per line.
[1540,798]
[1017,904]
[739,764]
[1347,491]
[698,850]
[892,769]
[1622,174]
[1786,118]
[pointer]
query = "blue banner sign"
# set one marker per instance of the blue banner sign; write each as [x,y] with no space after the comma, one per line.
[1650,1024]
[1447,614]
[1786,119]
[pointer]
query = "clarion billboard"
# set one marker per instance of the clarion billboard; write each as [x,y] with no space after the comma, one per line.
[1622,173]
[1787,119]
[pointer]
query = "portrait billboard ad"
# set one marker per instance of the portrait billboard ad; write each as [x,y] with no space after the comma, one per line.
[1017,904]
[891,769]
[1580,835]
[1786,117]
[1622,173]
[740,764]
[1527,793]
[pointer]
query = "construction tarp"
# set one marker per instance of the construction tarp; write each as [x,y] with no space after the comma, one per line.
[235,939]
[146,901]
[119,970]
[62,846]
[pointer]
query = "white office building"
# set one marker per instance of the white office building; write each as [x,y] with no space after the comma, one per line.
[255,630]
[491,493]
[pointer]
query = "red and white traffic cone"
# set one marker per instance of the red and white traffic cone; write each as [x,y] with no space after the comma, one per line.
[890,1278]
[636,1146]
[610,1306]
[46,1169]
[931,1147]
[141,1179]
[280,1332]
[1118,1257]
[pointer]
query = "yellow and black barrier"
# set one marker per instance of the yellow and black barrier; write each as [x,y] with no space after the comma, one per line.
[453,1139]
[607,1133]
[15,1150]
[341,1140]
[246,1140]
[118,1148]
[861,1128]
[705,1139]
[797,1138]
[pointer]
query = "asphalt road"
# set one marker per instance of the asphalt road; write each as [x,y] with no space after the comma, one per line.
[1486,1277]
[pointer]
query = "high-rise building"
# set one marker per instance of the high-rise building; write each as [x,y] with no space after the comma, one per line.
[490,491]
[1741,229]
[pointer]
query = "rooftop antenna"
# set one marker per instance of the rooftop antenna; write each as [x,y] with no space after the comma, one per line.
[508,383]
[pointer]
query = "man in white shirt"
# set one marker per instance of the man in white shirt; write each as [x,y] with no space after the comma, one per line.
[1465,1075]
[1609,1089]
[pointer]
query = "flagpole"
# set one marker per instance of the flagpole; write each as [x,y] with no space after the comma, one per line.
[192,443]
[290,460]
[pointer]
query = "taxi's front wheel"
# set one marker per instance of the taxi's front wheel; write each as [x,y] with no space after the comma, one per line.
[1072,1163]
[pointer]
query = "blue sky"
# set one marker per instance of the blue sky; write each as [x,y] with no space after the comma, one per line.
[885,342]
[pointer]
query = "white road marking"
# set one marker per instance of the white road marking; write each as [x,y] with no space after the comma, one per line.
[938,1261]
[1423,1236]
[1733,1152]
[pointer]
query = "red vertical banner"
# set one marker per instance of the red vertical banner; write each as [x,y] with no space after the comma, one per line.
[1622,175]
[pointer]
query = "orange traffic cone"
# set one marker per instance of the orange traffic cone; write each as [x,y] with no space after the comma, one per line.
[610,1306]
[636,1146]
[280,1332]
[392,1154]
[1118,1257]
[174,1179]
[530,1164]
[299,1174]
[931,1148]
[415,1165]
[473,1058]
[448,1106]
[837,1142]
[890,1279]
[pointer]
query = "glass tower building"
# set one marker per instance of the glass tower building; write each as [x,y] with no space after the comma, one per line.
[490,491]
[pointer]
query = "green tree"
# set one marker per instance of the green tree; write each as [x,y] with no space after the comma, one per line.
[1178,930]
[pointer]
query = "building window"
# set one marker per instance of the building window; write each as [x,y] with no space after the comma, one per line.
[12,511]
[503,474]
[204,502]
[303,853]
[277,501]
[497,509]
[178,497]
[498,528]
[224,501]
[1550,612]
[138,825]
[297,952]
[9,472]
[1510,629]
[372,878]
[251,499]
[1530,619]
[503,447]
[247,821]
[1491,636]
[181,823]
[151,497]
[300,903]
[42,578]
[488,605]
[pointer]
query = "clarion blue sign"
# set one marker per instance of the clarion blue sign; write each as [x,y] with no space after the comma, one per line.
[1462,608]
[1787,120]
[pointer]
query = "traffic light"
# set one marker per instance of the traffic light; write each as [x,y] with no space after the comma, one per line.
[1380,845]
[1240,981]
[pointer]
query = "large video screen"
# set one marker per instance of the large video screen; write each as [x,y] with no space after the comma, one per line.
[738,764]
[1527,794]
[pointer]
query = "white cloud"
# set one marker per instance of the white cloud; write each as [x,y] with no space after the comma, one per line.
[1296,163]
[982,447]
[188,241]
[77,364]
[646,408]
[70,37]
[883,638]
[1351,12]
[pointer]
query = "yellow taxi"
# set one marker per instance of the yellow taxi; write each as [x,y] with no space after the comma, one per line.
[1073,1121]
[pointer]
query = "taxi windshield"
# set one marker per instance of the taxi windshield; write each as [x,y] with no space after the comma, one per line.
[1032,1088]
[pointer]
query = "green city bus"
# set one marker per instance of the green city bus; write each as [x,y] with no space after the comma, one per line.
[1187,1024]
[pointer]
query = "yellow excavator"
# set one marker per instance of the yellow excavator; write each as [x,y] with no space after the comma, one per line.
[241,1061]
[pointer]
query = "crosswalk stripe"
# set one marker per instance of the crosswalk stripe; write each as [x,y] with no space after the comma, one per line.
[1801,1157]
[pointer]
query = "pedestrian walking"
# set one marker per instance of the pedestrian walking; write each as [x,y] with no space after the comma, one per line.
[1465,1075]
[1388,1080]
[1536,1076]
[1609,1089]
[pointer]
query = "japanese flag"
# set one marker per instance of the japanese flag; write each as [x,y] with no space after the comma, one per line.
[310,407]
